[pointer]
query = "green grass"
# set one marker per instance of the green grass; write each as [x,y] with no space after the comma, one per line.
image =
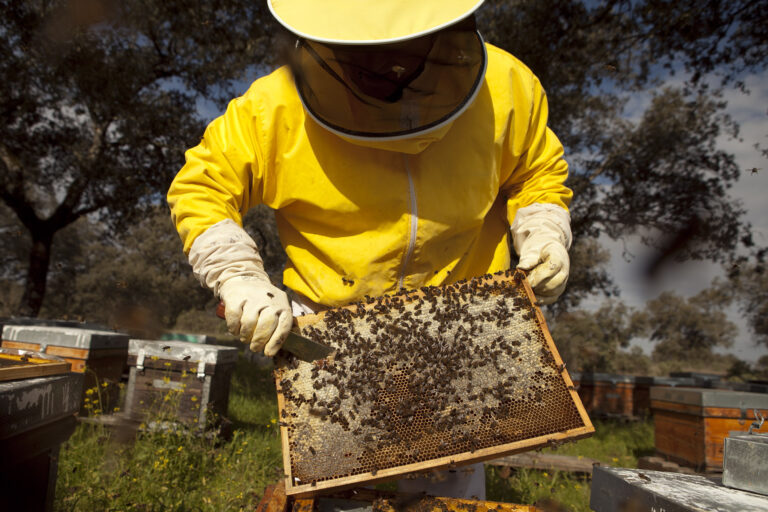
[168,471]
[177,471]
[613,444]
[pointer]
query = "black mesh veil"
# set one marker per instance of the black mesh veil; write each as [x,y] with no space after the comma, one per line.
[393,90]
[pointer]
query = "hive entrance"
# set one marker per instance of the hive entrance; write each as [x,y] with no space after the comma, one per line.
[440,375]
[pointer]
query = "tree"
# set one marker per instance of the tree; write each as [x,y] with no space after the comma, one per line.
[689,329]
[139,281]
[98,103]
[663,176]
[750,286]
[592,341]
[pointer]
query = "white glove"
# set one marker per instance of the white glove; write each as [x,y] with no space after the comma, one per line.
[225,259]
[541,234]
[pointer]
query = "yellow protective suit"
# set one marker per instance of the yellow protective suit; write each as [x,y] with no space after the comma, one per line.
[363,218]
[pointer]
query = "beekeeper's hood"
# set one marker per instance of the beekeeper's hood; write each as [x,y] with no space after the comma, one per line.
[384,69]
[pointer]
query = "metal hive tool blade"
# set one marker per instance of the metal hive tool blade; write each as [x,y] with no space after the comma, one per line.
[422,380]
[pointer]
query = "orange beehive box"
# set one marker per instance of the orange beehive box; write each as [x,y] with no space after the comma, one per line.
[607,395]
[692,423]
[641,396]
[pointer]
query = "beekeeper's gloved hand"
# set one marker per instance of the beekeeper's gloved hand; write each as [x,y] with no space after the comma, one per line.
[226,260]
[541,234]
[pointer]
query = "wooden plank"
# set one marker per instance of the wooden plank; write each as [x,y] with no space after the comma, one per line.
[15,365]
[286,447]
[70,352]
[572,390]
[427,311]
[547,461]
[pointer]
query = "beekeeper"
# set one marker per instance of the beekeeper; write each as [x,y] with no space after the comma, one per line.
[397,149]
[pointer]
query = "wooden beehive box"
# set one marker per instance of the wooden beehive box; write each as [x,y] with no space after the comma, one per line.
[641,395]
[607,395]
[177,380]
[692,423]
[36,416]
[424,380]
[99,354]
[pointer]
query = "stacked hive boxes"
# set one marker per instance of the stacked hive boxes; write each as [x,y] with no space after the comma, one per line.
[99,354]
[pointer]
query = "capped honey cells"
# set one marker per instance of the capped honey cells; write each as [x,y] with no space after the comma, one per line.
[423,375]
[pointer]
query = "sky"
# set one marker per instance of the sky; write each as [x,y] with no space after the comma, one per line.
[687,279]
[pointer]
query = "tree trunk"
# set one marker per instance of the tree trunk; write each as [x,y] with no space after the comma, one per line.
[37,275]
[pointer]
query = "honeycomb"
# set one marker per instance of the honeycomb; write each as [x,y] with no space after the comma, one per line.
[423,375]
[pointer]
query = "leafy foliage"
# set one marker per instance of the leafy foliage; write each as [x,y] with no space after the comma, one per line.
[139,282]
[750,286]
[661,175]
[98,103]
[688,329]
[591,341]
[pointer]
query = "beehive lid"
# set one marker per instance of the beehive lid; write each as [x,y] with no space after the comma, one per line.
[26,404]
[190,338]
[71,337]
[610,378]
[182,351]
[664,381]
[424,380]
[49,322]
[699,376]
[710,397]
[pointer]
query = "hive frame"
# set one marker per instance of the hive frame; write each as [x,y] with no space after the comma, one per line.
[299,490]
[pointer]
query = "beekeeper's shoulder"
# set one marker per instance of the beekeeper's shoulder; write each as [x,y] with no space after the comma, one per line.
[508,74]
[270,92]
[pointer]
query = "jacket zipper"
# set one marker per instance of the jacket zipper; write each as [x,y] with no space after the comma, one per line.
[413,224]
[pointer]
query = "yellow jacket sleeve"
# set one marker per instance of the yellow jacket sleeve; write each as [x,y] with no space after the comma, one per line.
[539,170]
[222,175]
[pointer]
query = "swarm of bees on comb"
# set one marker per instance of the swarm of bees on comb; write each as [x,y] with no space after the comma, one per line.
[449,373]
